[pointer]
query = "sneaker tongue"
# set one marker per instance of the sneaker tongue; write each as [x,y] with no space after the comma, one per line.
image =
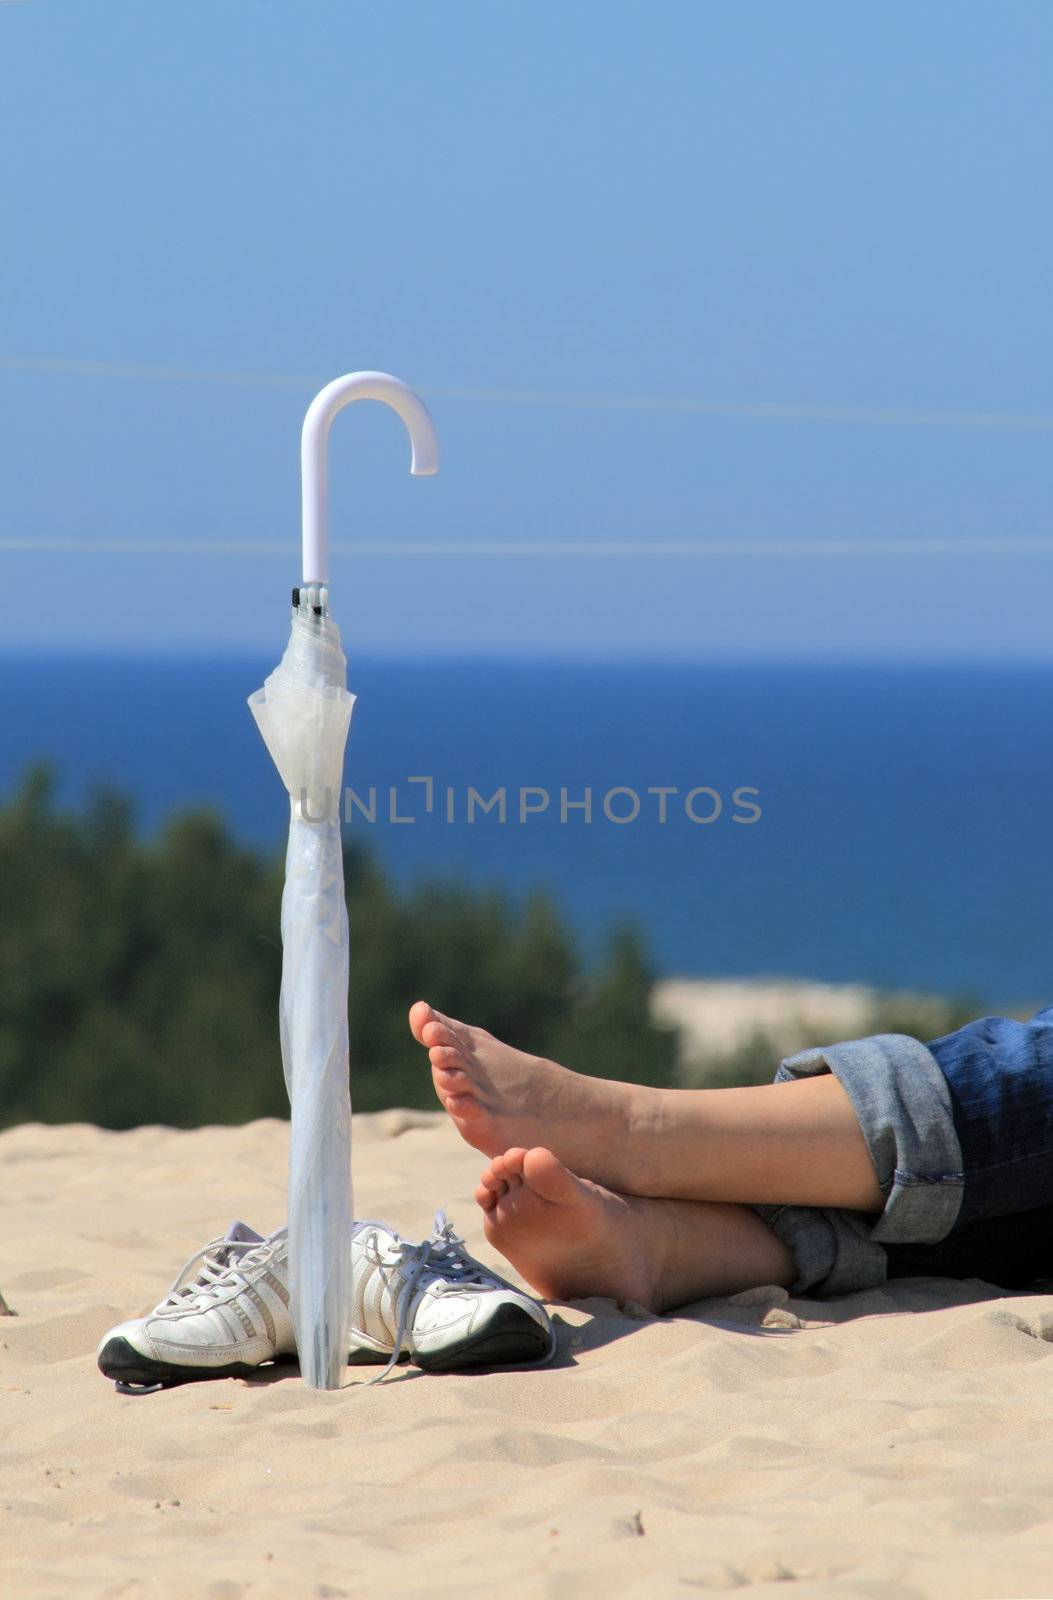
[241,1233]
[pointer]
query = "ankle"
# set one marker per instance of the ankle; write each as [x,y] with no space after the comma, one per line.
[616,1133]
[649,1119]
[654,1252]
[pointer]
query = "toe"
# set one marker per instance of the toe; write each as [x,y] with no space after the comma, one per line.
[437,1033]
[448,1080]
[549,1178]
[460,1030]
[513,1161]
[509,1164]
[464,1107]
[420,1014]
[448,1059]
[485,1198]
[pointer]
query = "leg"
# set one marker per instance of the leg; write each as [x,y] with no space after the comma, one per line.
[795,1143]
[570,1237]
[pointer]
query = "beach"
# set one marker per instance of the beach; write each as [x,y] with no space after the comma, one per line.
[720,1019]
[652,668]
[885,1444]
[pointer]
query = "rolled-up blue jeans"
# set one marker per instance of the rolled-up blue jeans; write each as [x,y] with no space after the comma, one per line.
[960,1132]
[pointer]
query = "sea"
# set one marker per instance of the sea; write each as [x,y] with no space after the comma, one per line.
[888,824]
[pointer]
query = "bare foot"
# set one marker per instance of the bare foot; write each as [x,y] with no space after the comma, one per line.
[500,1098]
[796,1143]
[570,1237]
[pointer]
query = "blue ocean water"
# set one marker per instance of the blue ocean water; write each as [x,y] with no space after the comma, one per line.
[903,835]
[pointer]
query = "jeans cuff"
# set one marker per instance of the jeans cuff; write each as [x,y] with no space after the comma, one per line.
[903,1106]
[832,1250]
[901,1099]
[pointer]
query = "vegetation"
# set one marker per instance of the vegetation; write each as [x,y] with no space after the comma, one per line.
[139,978]
[922,1017]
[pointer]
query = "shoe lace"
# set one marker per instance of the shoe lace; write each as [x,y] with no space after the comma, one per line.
[461,1272]
[217,1267]
[447,1256]
[442,1257]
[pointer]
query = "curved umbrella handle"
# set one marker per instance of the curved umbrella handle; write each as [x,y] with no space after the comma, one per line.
[314,452]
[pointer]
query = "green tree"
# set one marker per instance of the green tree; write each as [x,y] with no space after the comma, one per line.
[139,978]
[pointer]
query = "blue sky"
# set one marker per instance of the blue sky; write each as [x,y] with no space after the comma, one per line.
[603,240]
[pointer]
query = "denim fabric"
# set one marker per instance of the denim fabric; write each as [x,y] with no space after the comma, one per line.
[1000,1078]
[1013,1251]
[961,1136]
[901,1099]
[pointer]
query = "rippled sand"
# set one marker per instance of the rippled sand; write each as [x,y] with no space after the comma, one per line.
[880,1445]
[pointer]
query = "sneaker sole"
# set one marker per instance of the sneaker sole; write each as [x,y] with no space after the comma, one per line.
[123,1363]
[363,1355]
[511,1338]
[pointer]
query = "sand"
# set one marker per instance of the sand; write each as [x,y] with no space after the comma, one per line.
[888,1444]
[718,1016]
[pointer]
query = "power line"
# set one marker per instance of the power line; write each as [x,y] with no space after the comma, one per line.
[156,374]
[754,411]
[684,549]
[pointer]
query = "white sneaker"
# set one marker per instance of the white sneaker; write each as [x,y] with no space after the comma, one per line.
[228,1311]
[438,1305]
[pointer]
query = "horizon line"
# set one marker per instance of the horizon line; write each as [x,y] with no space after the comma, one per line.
[562,399]
[193,649]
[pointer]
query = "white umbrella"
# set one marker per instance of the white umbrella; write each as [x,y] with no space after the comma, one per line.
[303,712]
